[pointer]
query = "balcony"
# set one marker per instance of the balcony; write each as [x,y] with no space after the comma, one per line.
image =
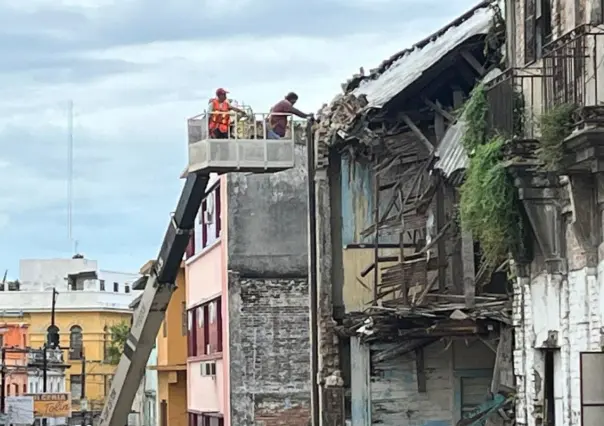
[53,357]
[515,103]
[246,147]
[574,68]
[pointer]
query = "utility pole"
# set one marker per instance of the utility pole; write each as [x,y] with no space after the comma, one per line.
[83,390]
[3,382]
[45,347]
[313,286]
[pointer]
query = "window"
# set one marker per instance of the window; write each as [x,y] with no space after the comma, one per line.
[209,219]
[592,391]
[205,420]
[102,285]
[116,287]
[205,329]
[190,251]
[24,388]
[126,288]
[75,382]
[75,342]
[184,325]
[1,340]
[537,28]
[52,336]
[191,334]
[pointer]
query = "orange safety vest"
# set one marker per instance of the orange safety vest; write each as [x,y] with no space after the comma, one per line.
[220,121]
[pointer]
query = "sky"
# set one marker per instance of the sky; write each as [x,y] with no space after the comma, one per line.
[135,70]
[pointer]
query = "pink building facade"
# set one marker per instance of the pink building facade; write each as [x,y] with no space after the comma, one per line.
[247,302]
[207,315]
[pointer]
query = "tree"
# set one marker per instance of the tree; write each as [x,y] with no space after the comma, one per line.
[118,334]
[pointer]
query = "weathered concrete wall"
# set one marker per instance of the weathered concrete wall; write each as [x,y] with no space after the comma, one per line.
[267,220]
[269,349]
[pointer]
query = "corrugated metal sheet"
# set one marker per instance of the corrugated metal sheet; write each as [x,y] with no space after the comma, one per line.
[411,66]
[450,152]
[452,155]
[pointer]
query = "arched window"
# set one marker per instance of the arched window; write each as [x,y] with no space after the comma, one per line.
[75,342]
[52,336]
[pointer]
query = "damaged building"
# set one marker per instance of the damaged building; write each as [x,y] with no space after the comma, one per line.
[416,324]
[460,199]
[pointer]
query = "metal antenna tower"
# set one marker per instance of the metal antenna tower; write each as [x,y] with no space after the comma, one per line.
[72,242]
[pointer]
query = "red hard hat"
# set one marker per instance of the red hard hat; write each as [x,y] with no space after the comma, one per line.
[221,91]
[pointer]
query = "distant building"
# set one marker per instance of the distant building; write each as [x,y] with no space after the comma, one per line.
[13,334]
[55,376]
[166,378]
[89,302]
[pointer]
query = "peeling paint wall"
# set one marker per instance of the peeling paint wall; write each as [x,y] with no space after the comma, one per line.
[357,180]
[448,367]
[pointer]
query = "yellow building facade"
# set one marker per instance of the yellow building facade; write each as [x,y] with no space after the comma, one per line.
[172,359]
[87,301]
[95,338]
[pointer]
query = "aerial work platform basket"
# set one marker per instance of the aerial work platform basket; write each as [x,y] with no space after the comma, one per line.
[246,147]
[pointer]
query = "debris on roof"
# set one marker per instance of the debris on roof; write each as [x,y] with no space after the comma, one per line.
[415,61]
[394,75]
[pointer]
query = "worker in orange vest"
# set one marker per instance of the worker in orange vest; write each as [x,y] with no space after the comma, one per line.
[219,118]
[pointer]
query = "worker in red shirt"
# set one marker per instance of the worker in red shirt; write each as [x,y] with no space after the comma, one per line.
[219,120]
[277,120]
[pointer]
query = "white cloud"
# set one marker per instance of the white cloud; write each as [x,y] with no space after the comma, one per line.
[130,126]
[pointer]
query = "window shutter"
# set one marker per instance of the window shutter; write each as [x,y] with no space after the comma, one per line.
[530,40]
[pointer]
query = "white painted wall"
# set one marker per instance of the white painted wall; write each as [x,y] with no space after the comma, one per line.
[55,383]
[39,276]
[571,306]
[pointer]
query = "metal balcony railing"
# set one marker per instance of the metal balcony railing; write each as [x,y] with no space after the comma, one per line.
[247,146]
[573,67]
[515,103]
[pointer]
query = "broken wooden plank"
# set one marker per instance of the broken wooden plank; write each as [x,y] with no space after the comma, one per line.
[441,247]
[439,109]
[470,59]
[417,132]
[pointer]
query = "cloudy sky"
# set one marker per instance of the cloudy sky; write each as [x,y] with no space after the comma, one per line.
[135,70]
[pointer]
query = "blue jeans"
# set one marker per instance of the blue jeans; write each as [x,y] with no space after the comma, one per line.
[270,134]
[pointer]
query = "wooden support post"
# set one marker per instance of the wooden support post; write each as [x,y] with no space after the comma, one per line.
[438,109]
[439,127]
[376,218]
[421,372]
[441,247]
[470,59]
[404,289]
[417,132]
[467,260]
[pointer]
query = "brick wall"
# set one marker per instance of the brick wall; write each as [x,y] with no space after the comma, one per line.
[269,351]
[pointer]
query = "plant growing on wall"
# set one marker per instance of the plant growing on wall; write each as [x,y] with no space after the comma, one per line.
[489,205]
[118,333]
[555,126]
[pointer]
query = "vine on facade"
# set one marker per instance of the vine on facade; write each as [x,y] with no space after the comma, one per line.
[555,126]
[489,205]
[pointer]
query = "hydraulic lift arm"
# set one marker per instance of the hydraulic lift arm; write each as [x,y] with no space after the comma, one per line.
[151,310]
